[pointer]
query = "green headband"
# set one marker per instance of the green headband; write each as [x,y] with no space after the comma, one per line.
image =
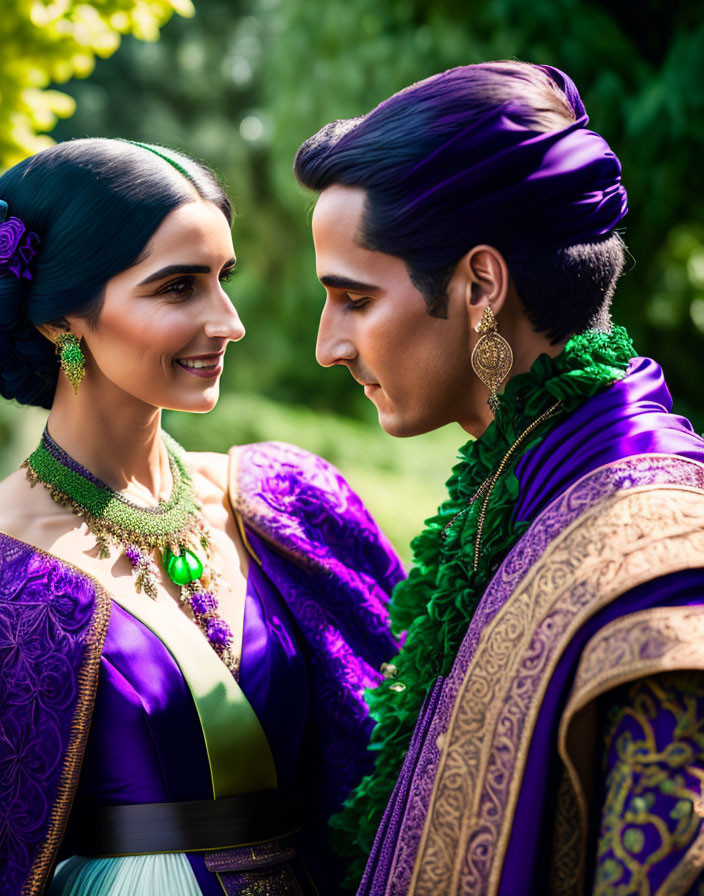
[161,155]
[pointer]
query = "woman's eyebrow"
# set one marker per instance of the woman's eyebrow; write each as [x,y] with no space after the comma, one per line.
[171,269]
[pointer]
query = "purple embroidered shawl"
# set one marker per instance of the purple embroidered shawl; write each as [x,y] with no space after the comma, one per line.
[316,543]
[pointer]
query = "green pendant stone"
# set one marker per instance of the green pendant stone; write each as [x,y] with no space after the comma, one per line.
[185,568]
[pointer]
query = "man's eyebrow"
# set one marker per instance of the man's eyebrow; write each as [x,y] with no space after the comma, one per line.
[172,269]
[335,282]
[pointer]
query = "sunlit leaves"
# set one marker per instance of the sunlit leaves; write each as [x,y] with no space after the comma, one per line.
[52,41]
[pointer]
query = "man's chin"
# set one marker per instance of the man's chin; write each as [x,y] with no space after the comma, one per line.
[404,428]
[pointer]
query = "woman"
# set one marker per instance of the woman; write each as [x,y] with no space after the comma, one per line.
[544,731]
[184,639]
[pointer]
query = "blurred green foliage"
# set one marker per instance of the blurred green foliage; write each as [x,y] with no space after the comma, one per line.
[45,41]
[244,82]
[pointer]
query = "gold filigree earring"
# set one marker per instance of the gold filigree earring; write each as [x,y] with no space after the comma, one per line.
[492,358]
[68,348]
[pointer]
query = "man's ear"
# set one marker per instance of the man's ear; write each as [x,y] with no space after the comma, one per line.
[486,280]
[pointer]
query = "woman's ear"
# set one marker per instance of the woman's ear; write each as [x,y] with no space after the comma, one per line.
[52,330]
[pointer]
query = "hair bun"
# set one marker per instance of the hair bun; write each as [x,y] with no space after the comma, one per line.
[28,365]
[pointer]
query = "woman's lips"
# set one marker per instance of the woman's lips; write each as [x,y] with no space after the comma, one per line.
[208,367]
[370,389]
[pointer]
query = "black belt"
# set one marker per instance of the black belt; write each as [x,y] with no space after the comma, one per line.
[194,826]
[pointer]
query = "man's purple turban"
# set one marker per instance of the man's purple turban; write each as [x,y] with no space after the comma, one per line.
[451,162]
[526,191]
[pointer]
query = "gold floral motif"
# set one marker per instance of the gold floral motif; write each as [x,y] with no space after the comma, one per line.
[615,545]
[629,649]
[649,785]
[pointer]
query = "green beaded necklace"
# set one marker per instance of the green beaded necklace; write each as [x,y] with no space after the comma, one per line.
[174,528]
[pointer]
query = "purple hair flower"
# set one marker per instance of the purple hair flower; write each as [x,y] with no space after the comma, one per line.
[219,633]
[18,246]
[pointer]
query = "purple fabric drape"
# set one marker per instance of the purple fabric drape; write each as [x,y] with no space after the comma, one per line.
[633,416]
[52,625]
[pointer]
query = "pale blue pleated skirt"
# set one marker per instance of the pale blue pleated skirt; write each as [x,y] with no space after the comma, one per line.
[164,874]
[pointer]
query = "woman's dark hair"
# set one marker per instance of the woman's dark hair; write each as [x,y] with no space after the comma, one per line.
[95,204]
[398,153]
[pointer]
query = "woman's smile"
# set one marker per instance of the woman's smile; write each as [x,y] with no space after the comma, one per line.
[203,365]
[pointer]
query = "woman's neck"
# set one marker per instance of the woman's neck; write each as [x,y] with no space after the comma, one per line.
[116,437]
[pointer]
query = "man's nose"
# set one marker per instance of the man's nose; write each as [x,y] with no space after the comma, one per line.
[333,346]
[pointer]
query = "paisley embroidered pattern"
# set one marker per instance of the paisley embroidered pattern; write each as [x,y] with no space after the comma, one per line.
[52,627]
[336,571]
[654,764]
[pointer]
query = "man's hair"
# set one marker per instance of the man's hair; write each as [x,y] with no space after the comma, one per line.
[406,154]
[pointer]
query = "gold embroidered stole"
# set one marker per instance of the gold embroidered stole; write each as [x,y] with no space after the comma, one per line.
[614,545]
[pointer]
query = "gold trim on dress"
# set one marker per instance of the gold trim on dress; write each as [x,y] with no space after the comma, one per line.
[235,498]
[618,543]
[80,725]
[261,774]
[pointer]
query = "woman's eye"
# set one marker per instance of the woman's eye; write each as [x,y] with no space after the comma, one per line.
[227,275]
[181,288]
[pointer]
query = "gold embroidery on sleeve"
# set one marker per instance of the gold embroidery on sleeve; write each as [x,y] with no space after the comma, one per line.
[647,814]
[628,649]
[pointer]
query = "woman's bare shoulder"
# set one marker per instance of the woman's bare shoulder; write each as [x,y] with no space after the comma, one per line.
[27,511]
[211,467]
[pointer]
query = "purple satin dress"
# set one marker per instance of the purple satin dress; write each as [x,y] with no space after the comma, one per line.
[146,744]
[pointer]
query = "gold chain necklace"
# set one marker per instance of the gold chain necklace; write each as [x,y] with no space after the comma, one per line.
[485,489]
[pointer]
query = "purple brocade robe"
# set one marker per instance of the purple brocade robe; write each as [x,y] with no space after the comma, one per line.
[99,706]
[564,752]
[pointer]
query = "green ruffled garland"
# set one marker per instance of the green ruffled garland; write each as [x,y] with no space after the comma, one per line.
[436,602]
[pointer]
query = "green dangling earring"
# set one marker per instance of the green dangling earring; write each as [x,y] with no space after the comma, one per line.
[68,348]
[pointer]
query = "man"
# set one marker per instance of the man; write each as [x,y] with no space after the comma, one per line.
[542,729]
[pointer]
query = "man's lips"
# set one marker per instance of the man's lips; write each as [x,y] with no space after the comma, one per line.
[369,386]
[364,382]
